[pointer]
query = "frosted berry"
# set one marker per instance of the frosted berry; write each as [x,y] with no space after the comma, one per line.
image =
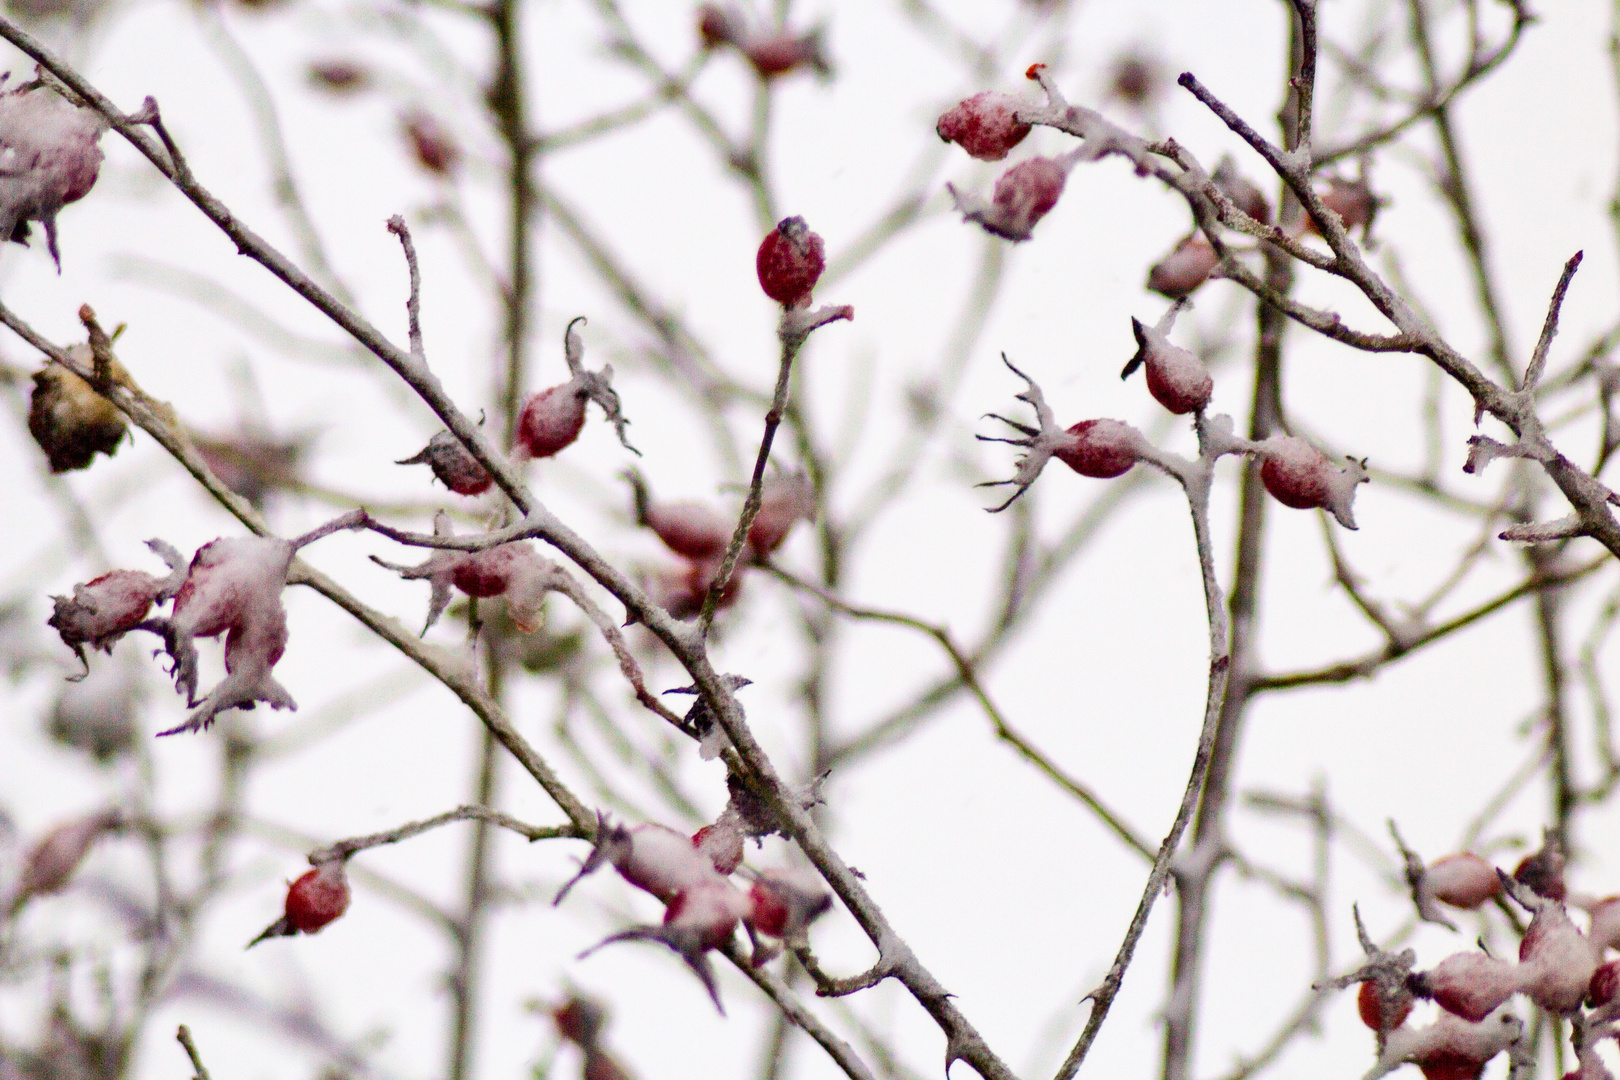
[551,420]
[453,466]
[790,260]
[1470,984]
[1464,881]
[1176,378]
[985,125]
[69,420]
[1450,1048]
[50,156]
[1605,984]
[785,500]
[783,54]
[430,142]
[1242,191]
[1352,200]
[314,900]
[51,862]
[1378,1015]
[1556,961]
[1300,476]
[1100,448]
[688,529]
[719,26]
[1183,270]
[1024,194]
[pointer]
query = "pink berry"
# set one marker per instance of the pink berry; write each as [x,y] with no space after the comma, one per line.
[1176,378]
[51,862]
[1605,927]
[104,610]
[1556,961]
[1100,448]
[1463,881]
[1471,984]
[1182,271]
[785,500]
[985,125]
[318,897]
[49,146]
[719,26]
[782,54]
[722,842]
[1377,1014]
[1352,200]
[790,260]
[1298,475]
[1024,194]
[1605,984]
[551,420]
[431,143]
[452,465]
[689,529]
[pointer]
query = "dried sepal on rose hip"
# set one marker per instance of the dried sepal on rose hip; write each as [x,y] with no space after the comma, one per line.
[699,722]
[1542,871]
[1383,999]
[317,898]
[1023,196]
[48,158]
[1098,448]
[452,464]
[1300,476]
[233,587]
[52,861]
[1176,378]
[69,420]
[552,419]
[985,125]
[1187,267]
[790,261]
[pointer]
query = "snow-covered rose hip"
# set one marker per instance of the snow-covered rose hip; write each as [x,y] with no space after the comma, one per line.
[785,500]
[314,900]
[985,125]
[552,419]
[48,158]
[1451,1048]
[790,261]
[1183,270]
[51,862]
[1300,476]
[1176,378]
[689,529]
[102,611]
[453,466]
[1023,195]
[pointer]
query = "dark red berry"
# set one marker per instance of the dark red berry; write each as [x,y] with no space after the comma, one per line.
[790,260]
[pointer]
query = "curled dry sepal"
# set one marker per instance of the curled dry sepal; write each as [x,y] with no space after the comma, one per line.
[552,419]
[315,899]
[1293,471]
[51,862]
[232,586]
[702,906]
[48,158]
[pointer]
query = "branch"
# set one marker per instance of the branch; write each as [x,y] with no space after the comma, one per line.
[343,849]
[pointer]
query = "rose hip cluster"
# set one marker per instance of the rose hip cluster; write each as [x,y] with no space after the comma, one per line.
[692,878]
[1294,472]
[1559,968]
[698,534]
